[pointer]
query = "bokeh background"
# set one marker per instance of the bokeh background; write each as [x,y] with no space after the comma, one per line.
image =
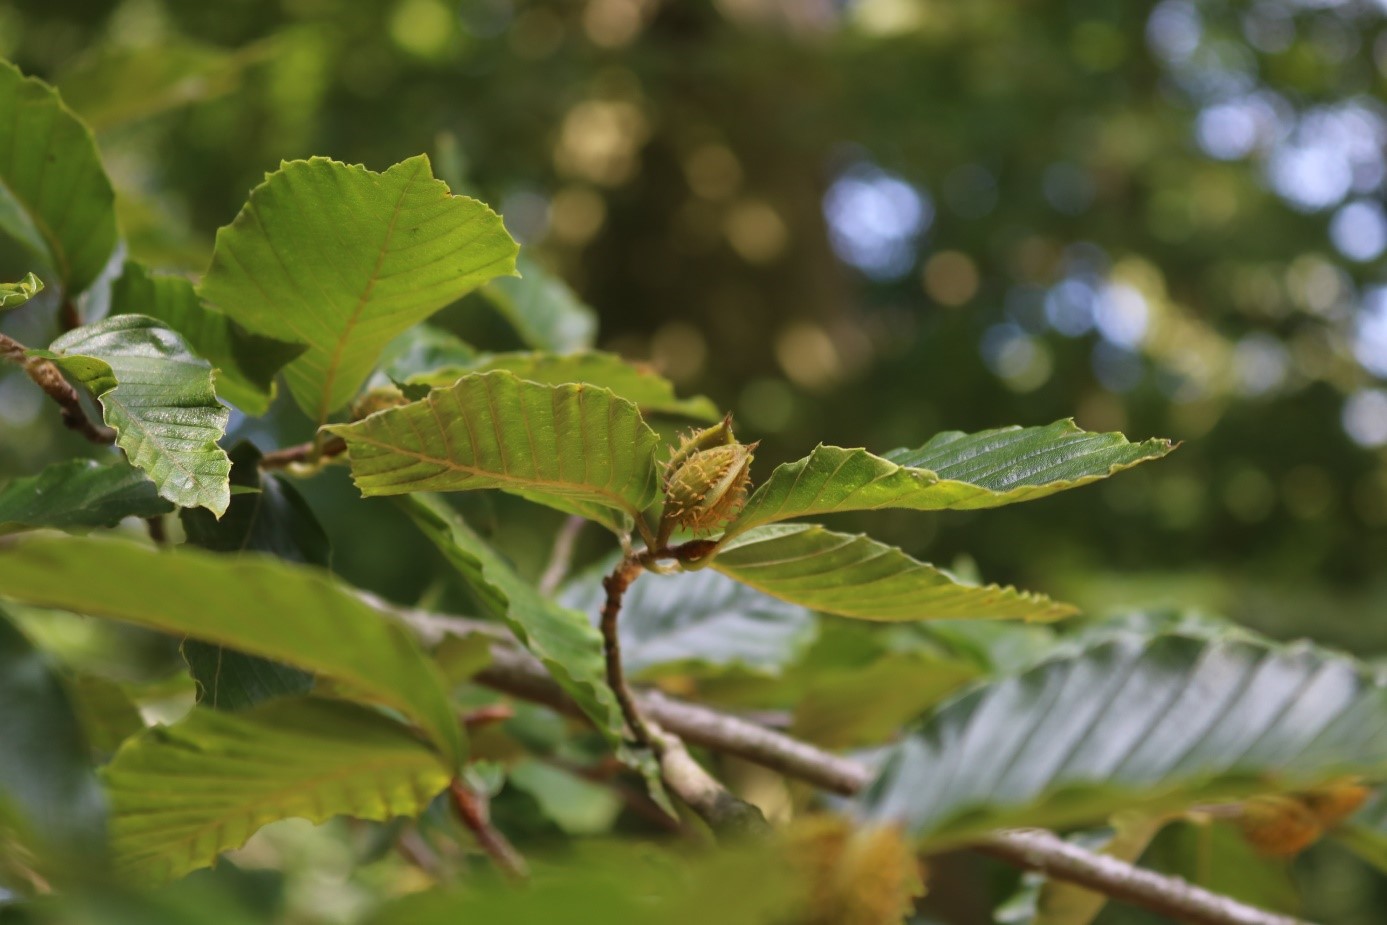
[855,221]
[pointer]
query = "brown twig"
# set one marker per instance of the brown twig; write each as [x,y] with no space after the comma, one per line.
[615,584]
[472,811]
[48,377]
[69,318]
[307,452]
[487,716]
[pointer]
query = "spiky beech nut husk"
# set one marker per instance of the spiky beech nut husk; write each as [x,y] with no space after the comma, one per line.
[1278,825]
[377,400]
[708,488]
[696,441]
[867,876]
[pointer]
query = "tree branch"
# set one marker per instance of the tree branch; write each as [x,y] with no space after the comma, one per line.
[48,377]
[472,812]
[520,675]
[725,814]
[1038,850]
[299,453]
[615,584]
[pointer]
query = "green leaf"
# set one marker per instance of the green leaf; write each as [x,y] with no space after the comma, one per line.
[574,447]
[46,776]
[634,382]
[855,576]
[78,495]
[291,613]
[274,519]
[107,713]
[181,795]
[246,363]
[568,645]
[628,882]
[159,399]
[680,622]
[953,471]
[13,295]
[542,309]
[55,199]
[897,686]
[1136,723]
[577,806]
[425,347]
[343,259]
[112,86]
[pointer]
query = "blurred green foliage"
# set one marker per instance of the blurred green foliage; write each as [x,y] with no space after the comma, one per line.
[858,222]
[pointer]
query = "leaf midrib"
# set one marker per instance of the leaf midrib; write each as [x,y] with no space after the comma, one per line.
[325,402]
[615,501]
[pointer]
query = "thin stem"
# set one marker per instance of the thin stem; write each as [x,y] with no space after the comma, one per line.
[68,316]
[303,453]
[615,584]
[488,715]
[158,532]
[48,377]
[561,556]
[472,811]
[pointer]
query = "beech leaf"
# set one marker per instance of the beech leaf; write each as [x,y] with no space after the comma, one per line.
[953,471]
[574,447]
[180,795]
[342,259]
[855,576]
[158,397]
[55,199]
[1135,723]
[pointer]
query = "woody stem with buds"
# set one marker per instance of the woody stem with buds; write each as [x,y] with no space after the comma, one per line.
[682,775]
[615,584]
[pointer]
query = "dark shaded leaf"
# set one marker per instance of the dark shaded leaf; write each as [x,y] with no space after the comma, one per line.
[79,495]
[47,780]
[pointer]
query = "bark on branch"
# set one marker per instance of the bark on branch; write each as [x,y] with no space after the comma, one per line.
[48,377]
[518,674]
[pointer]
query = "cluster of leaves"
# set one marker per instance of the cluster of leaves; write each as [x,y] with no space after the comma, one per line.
[315,700]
